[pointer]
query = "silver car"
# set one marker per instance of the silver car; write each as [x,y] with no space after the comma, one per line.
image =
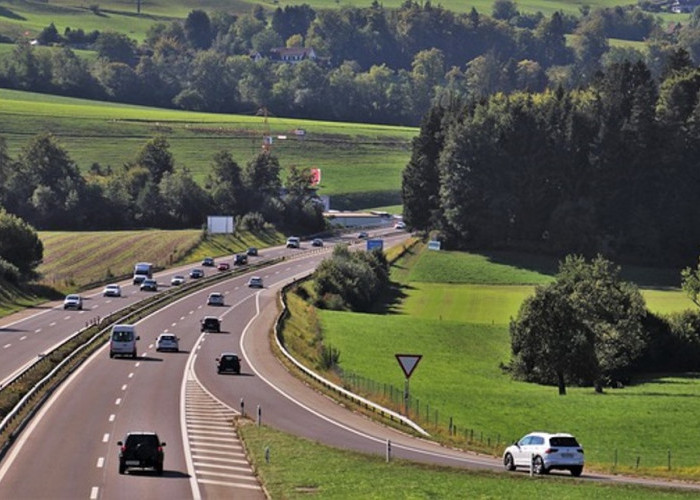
[112,291]
[167,341]
[73,301]
[215,299]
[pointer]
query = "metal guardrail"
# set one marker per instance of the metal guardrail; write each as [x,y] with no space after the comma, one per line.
[366,403]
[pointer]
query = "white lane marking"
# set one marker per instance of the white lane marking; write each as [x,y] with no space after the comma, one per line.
[22,338]
[124,387]
[131,375]
[37,330]
[52,323]
[100,462]
[105,438]
[6,346]
[118,401]
[137,364]
[94,493]
[173,324]
[112,417]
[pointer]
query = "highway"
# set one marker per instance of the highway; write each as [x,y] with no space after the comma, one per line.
[69,450]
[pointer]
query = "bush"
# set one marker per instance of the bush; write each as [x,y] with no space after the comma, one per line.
[9,272]
[253,221]
[330,356]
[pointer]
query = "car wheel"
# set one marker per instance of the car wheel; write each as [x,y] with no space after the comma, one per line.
[538,466]
[111,354]
[133,354]
[159,470]
[508,462]
[576,471]
[122,468]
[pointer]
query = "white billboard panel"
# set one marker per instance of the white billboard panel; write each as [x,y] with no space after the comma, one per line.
[220,224]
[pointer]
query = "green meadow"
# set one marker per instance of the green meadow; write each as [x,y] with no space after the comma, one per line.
[361,164]
[455,309]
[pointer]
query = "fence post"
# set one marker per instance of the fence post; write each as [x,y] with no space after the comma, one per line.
[388,450]
[259,415]
[669,459]
[637,466]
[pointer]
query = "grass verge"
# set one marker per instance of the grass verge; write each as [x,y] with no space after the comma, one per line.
[300,468]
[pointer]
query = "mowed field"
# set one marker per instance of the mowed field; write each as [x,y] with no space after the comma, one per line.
[361,164]
[75,260]
[461,329]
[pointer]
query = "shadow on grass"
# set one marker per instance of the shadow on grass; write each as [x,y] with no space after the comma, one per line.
[392,299]
[5,12]
[644,277]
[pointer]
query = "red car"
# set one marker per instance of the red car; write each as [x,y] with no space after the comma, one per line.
[223,266]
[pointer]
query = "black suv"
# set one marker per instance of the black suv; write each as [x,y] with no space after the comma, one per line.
[240,260]
[210,324]
[141,450]
[228,362]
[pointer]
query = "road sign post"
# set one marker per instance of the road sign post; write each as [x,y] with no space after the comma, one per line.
[408,363]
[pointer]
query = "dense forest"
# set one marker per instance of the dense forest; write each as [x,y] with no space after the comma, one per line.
[609,169]
[373,65]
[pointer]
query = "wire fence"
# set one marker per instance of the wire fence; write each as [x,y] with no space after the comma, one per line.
[612,458]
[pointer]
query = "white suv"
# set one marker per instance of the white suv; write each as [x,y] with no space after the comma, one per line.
[545,452]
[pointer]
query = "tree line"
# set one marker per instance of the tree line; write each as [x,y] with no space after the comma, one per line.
[375,65]
[609,169]
[44,187]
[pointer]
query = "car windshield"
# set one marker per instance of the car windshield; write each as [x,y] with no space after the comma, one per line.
[230,358]
[122,336]
[72,297]
[167,337]
[564,442]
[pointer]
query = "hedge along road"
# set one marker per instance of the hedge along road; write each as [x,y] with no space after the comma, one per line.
[110,397]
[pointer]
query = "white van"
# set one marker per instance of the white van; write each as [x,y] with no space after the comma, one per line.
[122,341]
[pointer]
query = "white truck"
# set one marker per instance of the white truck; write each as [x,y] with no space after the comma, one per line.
[142,271]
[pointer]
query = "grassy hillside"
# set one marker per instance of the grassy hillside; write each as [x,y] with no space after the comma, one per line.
[461,329]
[361,164]
[73,260]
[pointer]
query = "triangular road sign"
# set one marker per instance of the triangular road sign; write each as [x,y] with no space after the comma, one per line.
[408,362]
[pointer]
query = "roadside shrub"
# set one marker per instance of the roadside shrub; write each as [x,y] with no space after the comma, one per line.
[351,280]
[9,272]
[253,221]
[330,356]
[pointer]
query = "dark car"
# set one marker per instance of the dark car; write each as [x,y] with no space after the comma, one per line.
[141,450]
[252,251]
[149,285]
[240,259]
[223,266]
[317,242]
[196,273]
[210,324]
[208,262]
[363,235]
[228,362]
